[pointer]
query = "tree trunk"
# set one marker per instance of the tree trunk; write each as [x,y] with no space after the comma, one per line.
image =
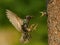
[53,9]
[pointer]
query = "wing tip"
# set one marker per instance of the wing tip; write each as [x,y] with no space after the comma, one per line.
[7,11]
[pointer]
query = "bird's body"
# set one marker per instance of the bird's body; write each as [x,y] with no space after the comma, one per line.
[25,33]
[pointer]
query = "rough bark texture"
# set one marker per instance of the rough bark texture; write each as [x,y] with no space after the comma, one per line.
[53,9]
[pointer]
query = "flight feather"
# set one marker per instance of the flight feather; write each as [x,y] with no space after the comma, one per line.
[14,19]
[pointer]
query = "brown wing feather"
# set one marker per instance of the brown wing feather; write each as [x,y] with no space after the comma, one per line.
[14,19]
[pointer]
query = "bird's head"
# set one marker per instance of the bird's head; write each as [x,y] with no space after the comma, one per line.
[28,17]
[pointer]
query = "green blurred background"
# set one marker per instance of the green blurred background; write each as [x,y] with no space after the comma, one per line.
[22,8]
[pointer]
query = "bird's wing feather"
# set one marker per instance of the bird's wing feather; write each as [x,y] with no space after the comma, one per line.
[14,19]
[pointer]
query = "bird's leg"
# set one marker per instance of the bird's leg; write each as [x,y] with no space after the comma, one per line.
[33,27]
[30,28]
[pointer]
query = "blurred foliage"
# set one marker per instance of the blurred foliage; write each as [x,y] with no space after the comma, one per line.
[23,8]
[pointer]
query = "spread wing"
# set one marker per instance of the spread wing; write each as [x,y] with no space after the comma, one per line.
[14,19]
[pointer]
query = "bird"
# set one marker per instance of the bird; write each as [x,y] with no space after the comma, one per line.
[44,13]
[22,25]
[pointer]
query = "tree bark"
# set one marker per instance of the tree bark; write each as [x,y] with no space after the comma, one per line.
[53,9]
